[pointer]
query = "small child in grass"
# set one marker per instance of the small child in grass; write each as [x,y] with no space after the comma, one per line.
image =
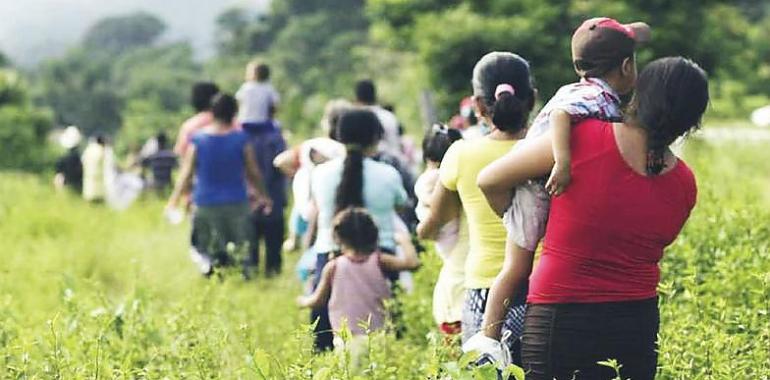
[449,292]
[354,283]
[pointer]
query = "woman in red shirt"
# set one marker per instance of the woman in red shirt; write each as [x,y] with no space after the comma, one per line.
[593,293]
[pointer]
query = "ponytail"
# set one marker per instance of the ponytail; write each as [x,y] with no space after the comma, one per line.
[351,187]
[358,129]
[508,113]
[502,81]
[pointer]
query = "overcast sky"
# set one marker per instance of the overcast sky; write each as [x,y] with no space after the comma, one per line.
[32,30]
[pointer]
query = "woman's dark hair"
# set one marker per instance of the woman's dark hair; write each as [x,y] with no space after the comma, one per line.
[354,228]
[358,129]
[224,107]
[509,111]
[671,96]
[366,92]
[202,93]
[437,141]
[262,72]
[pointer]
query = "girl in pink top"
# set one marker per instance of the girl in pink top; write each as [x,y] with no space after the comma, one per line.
[353,283]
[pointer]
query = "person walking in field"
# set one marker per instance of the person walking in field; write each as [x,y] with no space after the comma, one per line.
[201,96]
[267,142]
[220,160]
[354,285]
[355,180]
[593,294]
[451,241]
[604,58]
[257,98]
[504,96]
[98,169]
[160,164]
[69,168]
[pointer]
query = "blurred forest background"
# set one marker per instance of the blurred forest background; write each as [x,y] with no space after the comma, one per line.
[127,79]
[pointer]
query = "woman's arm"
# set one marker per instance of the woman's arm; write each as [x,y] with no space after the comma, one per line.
[445,206]
[516,269]
[255,178]
[530,160]
[287,161]
[185,177]
[320,296]
[408,262]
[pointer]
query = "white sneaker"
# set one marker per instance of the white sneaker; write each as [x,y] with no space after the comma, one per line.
[203,262]
[489,350]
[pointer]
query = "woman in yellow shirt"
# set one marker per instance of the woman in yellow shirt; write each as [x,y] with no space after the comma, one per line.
[503,97]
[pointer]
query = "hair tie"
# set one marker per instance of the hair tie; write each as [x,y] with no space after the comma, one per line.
[503,88]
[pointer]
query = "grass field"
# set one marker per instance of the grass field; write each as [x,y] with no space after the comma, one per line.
[88,293]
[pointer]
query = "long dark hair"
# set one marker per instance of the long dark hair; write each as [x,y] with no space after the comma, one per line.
[671,96]
[358,129]
[509,110]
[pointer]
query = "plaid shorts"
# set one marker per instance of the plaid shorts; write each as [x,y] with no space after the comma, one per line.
[473,316]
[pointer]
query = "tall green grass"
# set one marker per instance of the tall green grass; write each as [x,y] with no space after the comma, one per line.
[89,293]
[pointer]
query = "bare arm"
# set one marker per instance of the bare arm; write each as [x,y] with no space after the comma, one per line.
[531,160]
[320,296]
[445,206]
[185,177]
[255,177]
[560,174]
[408,262]
[561,126]
[286,162]
[516,269]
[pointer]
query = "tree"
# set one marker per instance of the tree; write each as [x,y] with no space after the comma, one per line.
[239,31]
[116,35]
[23,128]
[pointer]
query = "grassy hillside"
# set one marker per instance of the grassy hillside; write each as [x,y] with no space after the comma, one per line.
[86,292]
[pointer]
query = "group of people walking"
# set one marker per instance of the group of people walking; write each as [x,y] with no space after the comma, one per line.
[550,229]
[591,177]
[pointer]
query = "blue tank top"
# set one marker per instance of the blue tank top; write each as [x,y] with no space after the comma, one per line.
[219,169]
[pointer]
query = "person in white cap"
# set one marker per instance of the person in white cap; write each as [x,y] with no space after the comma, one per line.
[69,169]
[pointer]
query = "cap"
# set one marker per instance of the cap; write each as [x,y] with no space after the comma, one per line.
[602,40]
[70,137]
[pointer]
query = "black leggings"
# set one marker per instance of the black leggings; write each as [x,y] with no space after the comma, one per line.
[565,341]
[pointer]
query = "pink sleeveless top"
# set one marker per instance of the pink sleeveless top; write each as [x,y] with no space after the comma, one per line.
[358,292]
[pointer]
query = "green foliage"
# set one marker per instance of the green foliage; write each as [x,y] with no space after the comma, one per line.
[116,35]
[23,128]
[239,31]
[126,302]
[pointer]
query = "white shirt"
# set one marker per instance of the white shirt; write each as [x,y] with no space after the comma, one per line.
[391,141]
[254,101]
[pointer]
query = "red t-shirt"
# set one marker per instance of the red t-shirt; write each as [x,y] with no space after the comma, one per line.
[607,231]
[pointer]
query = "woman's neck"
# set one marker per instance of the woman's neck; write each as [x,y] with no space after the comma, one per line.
[497,134]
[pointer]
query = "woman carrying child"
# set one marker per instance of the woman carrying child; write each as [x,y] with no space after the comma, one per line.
[503,96]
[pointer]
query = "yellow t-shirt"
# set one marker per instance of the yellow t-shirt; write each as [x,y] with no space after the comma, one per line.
[459,169]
